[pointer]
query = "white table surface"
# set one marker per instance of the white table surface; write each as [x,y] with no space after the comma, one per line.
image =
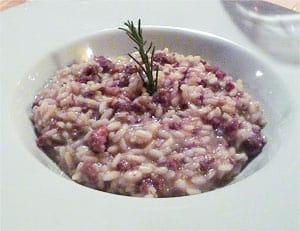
[27,30]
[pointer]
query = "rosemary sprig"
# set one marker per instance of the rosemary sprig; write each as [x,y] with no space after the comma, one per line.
[147,67]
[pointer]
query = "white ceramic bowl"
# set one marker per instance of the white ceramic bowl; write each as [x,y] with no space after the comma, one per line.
[234,59]
[113,211]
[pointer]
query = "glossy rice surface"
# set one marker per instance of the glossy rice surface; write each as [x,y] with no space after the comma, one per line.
[96,120]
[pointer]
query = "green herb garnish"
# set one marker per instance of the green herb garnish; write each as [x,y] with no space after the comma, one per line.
[147,67]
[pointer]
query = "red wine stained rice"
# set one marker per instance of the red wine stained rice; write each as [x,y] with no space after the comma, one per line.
[98,123]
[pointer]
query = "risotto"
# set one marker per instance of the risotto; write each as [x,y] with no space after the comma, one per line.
[194,134]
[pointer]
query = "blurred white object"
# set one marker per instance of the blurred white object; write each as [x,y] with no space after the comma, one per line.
[276,30]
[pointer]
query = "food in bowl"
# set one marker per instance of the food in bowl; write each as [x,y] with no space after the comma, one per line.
[99,123]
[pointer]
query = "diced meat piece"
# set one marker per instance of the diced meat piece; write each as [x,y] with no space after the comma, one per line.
[139,104]
[121,104]
[160,58]
[176,125]
[137,107]
[85,78]
[231,126]
[76,132]
[210,68]
[183,105]
[43,141]
[89,93]
[215,87]
[105,63]
[220,74]
[123,82]
[253,145]
[163,58]
[125,165]
[229,86]
[155,181]
[206,162]
[173,164]
[144,183]
[98,139]
[88,74]
[163,96]
[90,70]
[215,122]
[90,172]
[130,69]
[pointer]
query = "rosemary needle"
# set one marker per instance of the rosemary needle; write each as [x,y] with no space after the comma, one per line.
[147,67]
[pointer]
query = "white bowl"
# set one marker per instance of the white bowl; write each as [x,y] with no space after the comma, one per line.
[101,208]
[235,60]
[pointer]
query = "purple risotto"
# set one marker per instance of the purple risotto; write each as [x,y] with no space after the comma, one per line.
[199,129]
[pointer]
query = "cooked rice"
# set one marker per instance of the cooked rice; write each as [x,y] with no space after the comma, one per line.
[98,123]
